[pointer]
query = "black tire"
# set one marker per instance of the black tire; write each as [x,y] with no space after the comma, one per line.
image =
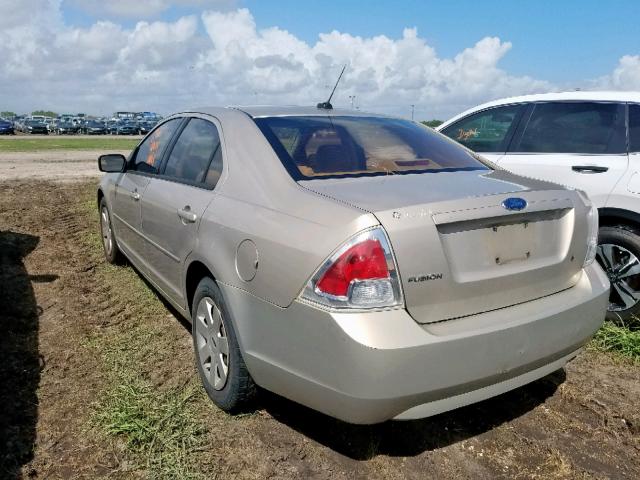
[239,390]
[628,239]
[112,255]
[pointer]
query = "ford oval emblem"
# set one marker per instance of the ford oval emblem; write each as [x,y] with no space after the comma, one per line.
[515,203]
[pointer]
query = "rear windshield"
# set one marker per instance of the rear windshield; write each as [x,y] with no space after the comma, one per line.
[321,147]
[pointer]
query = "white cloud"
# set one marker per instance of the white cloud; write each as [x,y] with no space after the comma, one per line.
[224,58]
[626,75]
[143,8]
[385,74]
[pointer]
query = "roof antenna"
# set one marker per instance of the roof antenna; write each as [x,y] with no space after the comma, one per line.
[327,105]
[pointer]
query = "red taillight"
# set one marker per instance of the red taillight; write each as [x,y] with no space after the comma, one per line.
[361,274]
[363,261]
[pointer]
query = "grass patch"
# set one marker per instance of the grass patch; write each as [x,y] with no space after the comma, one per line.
[157,426]
[618,340]
[35,144]
[158,429]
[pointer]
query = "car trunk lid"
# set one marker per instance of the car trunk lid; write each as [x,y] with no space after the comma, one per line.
[459,250]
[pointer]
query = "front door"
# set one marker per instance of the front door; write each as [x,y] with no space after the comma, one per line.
[127,220]
[487,132]
[131,187]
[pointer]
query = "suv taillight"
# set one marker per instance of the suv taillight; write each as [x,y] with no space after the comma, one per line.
[360,274]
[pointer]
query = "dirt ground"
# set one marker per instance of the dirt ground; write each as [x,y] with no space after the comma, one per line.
[580,423]
[55,165]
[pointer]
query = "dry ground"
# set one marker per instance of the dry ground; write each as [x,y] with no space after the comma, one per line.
[97,380]
[65,165]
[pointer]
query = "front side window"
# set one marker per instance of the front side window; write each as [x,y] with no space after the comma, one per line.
[149,154]
[197,148]
[486,131]
[634,128]
[574,127]
[324,146]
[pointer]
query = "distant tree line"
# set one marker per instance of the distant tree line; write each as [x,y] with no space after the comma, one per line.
[432,123]
[46,113]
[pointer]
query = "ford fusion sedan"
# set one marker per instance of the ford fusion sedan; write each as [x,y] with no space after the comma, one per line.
[588,140]
[362,265]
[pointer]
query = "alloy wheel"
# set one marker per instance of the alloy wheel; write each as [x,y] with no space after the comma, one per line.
[623,269]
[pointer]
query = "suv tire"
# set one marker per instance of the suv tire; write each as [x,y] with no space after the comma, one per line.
[619,256]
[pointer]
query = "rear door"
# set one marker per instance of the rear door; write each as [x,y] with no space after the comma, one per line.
[130,188]
[578,144]
[174,202]
[487,132]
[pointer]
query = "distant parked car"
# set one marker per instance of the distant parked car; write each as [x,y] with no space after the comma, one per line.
[93,127]
[6,128]
[587,140]
[66,128]
[145,126]
[362,265]
[127,128]
[35,126]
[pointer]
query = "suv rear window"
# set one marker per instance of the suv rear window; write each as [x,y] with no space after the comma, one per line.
[574,127]
[336,146]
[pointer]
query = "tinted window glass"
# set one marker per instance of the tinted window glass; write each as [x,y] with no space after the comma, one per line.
[486,131]
[634,128]
[150,151]
[574,128]
[317,146]
[194,151]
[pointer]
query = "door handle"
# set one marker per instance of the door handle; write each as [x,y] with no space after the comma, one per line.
[187,215]
[135,195]
[589,169]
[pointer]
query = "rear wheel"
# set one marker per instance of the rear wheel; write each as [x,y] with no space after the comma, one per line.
[619,256]
[218,358]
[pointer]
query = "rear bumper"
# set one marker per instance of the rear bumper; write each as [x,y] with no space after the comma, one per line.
[371,367]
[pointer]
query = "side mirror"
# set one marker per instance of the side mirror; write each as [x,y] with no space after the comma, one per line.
[112,163]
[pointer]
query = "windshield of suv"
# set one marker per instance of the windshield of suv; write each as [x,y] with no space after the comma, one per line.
[336,146]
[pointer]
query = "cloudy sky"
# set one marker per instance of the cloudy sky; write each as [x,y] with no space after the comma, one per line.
[99,56]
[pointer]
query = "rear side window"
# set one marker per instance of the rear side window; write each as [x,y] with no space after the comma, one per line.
[574,127]
[486,131]
[197,148]
[150,152]
[634,128]
[330,146]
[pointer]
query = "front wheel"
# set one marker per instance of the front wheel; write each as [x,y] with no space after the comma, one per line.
[619,256]
[218,358]
[111,251]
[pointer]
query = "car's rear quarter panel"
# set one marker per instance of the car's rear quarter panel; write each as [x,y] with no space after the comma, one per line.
[294,230]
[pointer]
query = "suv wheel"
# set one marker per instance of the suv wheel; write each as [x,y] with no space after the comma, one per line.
[218,358]
[619,256]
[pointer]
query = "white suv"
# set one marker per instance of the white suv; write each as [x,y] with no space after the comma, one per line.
[585,140]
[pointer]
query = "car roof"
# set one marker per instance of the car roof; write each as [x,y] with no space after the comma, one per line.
[578,95]
[256,111]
